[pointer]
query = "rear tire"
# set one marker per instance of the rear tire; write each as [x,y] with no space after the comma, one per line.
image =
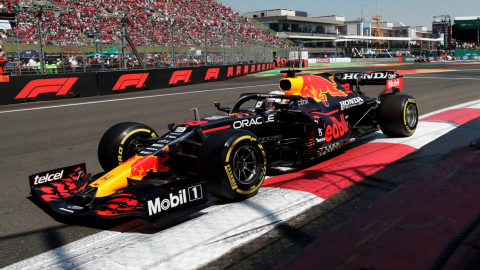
[398,116]
[232,163]
[117,144]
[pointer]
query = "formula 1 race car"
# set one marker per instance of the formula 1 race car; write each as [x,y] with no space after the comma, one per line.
[161,178]
[422,59]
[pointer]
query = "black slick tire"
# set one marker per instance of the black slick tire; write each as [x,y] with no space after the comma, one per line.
[116,144]
[398,115]
[232,163]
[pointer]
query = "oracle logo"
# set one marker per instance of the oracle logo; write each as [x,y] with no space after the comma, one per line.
[181,75]
[130,79]
[59,86]
[212,73]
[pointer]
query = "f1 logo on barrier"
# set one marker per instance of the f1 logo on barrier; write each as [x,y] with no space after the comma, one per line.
[130,79]
[34,88]
[230,72]
[212,72]
[181,75]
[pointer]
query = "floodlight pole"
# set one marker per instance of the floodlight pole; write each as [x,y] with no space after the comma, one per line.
[39,27]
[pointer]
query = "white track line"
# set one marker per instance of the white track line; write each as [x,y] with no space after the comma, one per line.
[133,98]
[201,240]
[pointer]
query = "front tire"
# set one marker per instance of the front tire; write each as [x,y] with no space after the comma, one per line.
[398,116]
[232,163]
[117,144]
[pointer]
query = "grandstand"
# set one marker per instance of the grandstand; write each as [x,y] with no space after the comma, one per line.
[68,22]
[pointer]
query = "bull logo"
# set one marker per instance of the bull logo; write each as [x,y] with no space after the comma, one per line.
[142,165]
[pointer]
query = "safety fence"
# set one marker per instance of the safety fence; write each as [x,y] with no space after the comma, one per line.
[24,59]
[18,89]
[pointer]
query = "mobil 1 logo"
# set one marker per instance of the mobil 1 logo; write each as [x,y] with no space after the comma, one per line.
[175,199]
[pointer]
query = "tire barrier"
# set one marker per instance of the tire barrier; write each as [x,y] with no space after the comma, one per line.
[27,88]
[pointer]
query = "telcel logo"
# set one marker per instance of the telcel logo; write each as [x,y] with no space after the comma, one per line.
[252,121]
[157,205]
[48,178]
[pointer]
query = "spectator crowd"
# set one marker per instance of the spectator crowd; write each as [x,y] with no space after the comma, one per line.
[151,21]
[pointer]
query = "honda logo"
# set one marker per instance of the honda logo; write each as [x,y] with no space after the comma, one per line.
[34,88]
[181,75]
[131,79]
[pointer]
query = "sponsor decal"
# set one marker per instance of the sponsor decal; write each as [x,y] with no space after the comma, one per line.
[379,75]
[158,145]
[239,70]
[146,153]
[131,79]
[347,88]
[164,141]
[319,140]
[349,103]
[337,130]
[259,67]
[170,137]
[270,138]
[245,70]
[106,177]
[394,83]
[180,129]
[263,67]
[59,86]
[212,73]
[75,207]
[180,75]
[252,121]
[66,210]
[47,178]
[317,87]
[174,199]
[252,69]
[142,165]
[230,72]
[175,134]
[151,148]
[228,169]
[302,102]
[194,123]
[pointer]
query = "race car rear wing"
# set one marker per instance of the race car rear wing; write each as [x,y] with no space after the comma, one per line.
[391,79]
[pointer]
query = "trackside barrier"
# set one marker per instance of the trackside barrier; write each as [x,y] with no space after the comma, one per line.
[26,88]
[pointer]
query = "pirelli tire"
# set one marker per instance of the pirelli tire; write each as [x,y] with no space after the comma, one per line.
[117,144]
[232,163]
[398,115]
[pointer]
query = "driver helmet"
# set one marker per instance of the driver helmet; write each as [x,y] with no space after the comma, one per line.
[270,102]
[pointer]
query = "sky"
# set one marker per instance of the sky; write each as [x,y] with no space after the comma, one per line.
[409,12]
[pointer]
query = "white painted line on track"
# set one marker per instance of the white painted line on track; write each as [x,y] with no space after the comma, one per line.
[133,98]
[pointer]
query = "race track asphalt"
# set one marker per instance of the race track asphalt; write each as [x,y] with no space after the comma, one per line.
[45,135]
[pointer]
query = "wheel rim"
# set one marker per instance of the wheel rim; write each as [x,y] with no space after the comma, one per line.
[245,164]
[411,115]
[135,143]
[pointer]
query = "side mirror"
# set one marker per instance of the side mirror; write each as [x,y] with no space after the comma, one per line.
[217,105]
